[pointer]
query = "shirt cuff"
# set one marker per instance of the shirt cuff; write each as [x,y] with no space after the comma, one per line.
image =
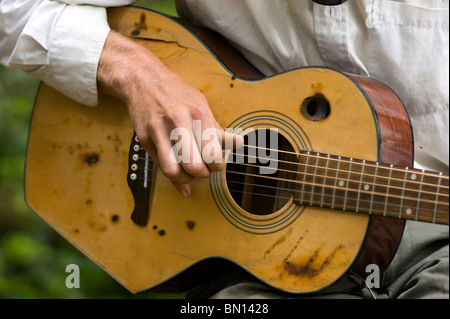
[75,47]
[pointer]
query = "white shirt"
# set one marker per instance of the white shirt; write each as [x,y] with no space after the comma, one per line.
[403,43]
[59,42]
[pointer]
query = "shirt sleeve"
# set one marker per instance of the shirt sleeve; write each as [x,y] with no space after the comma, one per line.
[60,42]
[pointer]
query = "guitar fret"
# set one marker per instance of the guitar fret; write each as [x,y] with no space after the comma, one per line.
[360,185]
[387,190]
[324,180]
[304,177]
[348,183]
[418,196]
[314,180]
[373,187]
[403,193]
[437,197]
[335,181]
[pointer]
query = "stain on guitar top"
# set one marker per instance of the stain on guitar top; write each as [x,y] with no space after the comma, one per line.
[317,87]
[117,143]
[87,154]
[278,242]
[91,158]
[311,267]
[190,224]
[140,25]
[97,226]
[162,232]
[115,218]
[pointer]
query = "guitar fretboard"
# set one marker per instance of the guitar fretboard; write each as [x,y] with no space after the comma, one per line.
[348,184]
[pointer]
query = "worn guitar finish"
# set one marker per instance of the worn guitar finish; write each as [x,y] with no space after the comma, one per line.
[85,175]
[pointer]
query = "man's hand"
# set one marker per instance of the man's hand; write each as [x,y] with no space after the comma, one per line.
[160,101]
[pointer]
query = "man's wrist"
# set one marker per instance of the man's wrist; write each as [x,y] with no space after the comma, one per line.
[122,64]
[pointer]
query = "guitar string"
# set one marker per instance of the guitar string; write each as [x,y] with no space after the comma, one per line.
[371,176]
[351,189]
[361,163]
[343,188]
[322,185]
[387,213]
[346,179]
[423,217]
[337,196]
[365,163]
[343,159]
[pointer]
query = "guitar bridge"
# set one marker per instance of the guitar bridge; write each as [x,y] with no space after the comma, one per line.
[141,173]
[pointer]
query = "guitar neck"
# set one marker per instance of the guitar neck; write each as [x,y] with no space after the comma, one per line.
[348,184]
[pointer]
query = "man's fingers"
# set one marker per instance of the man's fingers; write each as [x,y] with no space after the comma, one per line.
[212,153]
[187,152]
[214,142]
[231,141]
[169,159]
[184,189]
[192,152]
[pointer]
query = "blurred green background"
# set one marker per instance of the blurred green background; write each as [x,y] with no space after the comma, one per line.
[33,257]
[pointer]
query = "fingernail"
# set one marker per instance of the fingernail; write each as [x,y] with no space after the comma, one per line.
[184,193]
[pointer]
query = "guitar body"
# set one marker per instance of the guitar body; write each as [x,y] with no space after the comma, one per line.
[78,162]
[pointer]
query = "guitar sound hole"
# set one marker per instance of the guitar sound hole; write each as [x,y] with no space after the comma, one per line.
[259,174]
[315,108]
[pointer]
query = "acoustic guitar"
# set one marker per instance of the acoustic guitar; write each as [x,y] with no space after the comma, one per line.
[336,200]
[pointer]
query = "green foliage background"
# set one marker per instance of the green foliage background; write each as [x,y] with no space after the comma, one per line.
[33,257]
